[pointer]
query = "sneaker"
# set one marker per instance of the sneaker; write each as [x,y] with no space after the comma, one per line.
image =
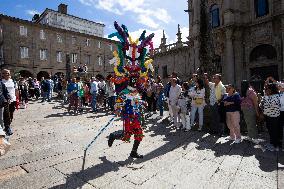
[270,147]
[277,149]
[237,141]
[8,131]
[255,141]
[248,139]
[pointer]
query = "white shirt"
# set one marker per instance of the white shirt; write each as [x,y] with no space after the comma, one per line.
[197,94]
[94,87]
[174,94]
[10,85]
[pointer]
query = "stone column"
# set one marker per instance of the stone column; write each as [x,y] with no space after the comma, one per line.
[196,17]
[196,54]
[229,58]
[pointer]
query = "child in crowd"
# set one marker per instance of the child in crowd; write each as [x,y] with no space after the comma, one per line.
[160,99]
[183,107]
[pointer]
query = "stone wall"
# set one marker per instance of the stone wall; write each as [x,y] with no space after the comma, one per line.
[12,41]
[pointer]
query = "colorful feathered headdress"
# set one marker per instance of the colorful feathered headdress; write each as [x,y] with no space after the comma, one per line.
[131,58]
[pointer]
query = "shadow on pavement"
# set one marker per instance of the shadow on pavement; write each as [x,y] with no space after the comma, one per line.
[175,139]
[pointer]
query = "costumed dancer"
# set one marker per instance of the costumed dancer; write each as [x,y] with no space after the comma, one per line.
[130,79]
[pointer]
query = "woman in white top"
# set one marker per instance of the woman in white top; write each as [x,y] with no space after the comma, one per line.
[198,103]
[270,104]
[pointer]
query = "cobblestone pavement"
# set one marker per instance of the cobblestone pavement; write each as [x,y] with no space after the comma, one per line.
[48,152]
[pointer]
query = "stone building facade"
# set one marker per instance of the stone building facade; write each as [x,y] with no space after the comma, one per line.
[247,39]
[35,49]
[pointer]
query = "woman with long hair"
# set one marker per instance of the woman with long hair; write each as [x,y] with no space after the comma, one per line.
[198,103]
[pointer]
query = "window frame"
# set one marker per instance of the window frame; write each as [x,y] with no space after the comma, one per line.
[23,31]
[59,56]
[257,7]
[42,35]
[88,59]
[59,38]
[43,54]
[74,58]
[24,52]
[88,42]
[215,13]
[100,61]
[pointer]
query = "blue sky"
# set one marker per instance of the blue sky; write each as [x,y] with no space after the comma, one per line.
[137,15]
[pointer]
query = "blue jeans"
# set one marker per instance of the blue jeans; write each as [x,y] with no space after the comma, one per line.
[94,102]
[200,114]
[111,102]
[161,108]
[46,96]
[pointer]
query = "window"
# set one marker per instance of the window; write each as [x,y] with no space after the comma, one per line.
[59,38]
[215,20]
[261,7]
[99,44]
[165,71]
[41,35]
[88,59]
[24,51]
[88,42]
[73,40]
[74,58]
[23,31]
[110,47]
[59,56]
[43,54]
[100,61]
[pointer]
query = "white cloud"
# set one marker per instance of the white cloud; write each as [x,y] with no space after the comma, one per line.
[142,9]
[32,12]
[148,21]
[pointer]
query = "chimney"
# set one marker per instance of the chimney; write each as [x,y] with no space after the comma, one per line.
[62,8]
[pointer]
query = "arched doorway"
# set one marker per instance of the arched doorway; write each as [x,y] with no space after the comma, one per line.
[42,74]
[25,74]
[263,62]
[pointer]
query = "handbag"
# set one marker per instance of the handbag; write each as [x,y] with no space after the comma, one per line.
[198,101]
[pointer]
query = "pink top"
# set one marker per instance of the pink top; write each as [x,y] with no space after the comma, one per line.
[247,102]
